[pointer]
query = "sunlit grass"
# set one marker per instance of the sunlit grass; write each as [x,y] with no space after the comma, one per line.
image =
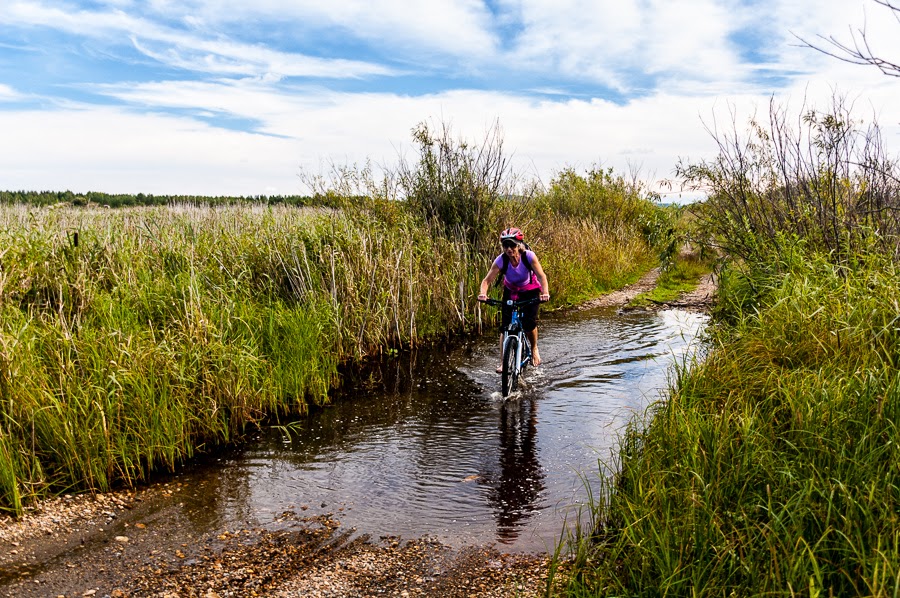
[773,468]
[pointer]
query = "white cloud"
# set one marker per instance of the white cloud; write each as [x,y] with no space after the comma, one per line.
[104,149]
[611,41]
[842,20]
[228,58]
[690,38]
[590,45]
[113,150]
[685,49]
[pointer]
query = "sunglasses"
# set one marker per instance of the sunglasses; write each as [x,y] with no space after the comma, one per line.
[509,244]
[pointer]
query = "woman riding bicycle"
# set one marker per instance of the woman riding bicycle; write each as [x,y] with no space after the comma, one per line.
[523,278]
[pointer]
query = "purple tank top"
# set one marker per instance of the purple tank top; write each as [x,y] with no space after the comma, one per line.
[519,278]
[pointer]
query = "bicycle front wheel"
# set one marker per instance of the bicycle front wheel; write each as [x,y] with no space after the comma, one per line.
[510,376]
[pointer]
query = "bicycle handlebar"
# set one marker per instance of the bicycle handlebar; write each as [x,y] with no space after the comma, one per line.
[510,302]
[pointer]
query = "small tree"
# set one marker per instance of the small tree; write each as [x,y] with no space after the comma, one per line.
[454,184]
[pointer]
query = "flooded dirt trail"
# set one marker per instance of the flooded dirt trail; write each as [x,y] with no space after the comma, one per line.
[419,478]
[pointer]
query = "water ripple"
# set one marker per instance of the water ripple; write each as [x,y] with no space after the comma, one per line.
[432,448]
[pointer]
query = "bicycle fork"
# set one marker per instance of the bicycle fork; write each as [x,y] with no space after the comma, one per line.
[524,351]
[520,349]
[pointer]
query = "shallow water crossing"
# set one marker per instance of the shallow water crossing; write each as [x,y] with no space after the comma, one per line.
[425,445]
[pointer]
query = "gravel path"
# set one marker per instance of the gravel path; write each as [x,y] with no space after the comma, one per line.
[121,544]
[624,295]
[700,299]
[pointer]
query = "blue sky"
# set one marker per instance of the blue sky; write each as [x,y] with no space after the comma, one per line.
[231,97]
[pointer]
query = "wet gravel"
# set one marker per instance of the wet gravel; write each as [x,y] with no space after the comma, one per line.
[118,544]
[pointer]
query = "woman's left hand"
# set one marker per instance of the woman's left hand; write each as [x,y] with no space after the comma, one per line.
[545,297]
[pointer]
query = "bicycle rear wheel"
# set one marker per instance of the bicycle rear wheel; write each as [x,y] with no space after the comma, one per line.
[510,377]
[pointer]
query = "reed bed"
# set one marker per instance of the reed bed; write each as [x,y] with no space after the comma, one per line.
[774,466]
[130,339]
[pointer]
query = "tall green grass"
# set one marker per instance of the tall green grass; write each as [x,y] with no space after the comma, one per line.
[161,331]
[130,339]
[612,232]
[774,466]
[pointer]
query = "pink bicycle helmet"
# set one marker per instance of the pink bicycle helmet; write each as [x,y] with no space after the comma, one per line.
[512,234]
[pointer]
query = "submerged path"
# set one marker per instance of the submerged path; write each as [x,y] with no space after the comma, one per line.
[138,543]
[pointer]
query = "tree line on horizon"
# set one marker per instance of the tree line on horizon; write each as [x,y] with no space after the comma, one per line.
[118,200]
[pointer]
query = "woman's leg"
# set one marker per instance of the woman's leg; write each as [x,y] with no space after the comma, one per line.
[532,338]
[529,323]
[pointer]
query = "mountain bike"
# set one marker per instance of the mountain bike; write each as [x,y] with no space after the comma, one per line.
[516,348]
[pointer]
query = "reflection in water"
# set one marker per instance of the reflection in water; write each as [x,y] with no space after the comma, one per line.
[423,446]
[514,496]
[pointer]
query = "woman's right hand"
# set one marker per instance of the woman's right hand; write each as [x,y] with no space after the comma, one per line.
[482,297]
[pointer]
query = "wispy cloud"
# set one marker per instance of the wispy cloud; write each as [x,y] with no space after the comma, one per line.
[447,27]
[627,44]
[186,49]
[229,58]
[249,99]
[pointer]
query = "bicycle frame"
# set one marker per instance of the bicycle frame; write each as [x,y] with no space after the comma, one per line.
[515,347]
[523,356]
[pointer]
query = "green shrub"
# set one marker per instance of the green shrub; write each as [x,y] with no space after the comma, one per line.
[829,184]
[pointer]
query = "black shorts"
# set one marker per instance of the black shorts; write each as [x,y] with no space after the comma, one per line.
[529,312]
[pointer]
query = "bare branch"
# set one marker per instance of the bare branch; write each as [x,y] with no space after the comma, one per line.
[859,51]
